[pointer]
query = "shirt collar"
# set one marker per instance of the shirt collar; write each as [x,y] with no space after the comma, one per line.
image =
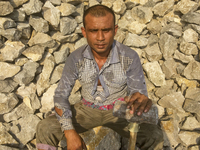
[114,56]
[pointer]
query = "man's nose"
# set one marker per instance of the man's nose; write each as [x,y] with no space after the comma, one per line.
[100,36]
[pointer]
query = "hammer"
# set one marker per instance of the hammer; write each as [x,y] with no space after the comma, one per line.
[120,110]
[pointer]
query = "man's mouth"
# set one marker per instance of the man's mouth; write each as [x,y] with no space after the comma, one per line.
[100,45]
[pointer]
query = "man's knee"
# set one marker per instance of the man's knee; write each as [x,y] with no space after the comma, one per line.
[48,130]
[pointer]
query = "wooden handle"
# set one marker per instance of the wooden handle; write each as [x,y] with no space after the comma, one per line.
[133,128]
[132,140]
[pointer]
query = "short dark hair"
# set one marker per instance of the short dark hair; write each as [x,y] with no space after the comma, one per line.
[98,11]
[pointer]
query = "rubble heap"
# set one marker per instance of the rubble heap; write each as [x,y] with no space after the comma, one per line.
[37,36]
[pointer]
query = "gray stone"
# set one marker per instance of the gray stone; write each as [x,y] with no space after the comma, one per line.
[153,52]
[7,102]
[25,91]
[169,68]
[20,61]
[191,17]
[47,99]
[142,14]
[6,8]
[81,42]
[192,71]
[173,28]
[12,50]
[32,101]
[65,38]
[170,133]
[5,137]
[185,6]
[189,138]
[191,106]
[107,3]
[193,93]
[135,40]
[6,23]
[25,28]
[44,79]
[73,2]
[17,3]
[93,2]
[183,58]
[42,39]
[102,136]
[154,73]
[120,36]
[190,35]
[8,70]
[11,34]
[168,45]
[55,2]
[32,7]
[165,89]
[71,46]
[188,48]
[3,147]
[162,8]
[191,124]
[34,53]
[80,10]
[7,86]
[56,46]
[128,16]
[51,14]
[39,24]
[189,83]
[57,73]
[123,24]
[194,147]
[27,74]
[174,100]
[21,111]
[150,85]
[67,25]
[78,28]
[66,12]
[28,128]
[119,7]
[136,27]
[61,55]
[154,26]
[18,15]
[194,27]
[153,39]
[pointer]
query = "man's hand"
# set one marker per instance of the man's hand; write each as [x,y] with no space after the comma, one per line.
[74,141]
[138,102]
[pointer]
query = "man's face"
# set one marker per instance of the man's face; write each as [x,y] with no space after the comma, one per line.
[100,32]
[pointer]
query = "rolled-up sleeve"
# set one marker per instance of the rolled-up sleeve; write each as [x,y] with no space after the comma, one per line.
[63,91]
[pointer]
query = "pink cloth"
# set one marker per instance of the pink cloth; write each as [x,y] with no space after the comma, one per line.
[104,107]
[45,146]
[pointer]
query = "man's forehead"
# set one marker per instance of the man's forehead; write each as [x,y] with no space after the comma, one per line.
[96,20]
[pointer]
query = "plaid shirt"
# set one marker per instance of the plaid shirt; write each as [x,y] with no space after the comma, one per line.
[121,75]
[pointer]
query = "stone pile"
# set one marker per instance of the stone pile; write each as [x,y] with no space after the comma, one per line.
[37,36]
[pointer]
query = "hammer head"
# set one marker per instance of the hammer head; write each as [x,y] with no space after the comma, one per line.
[120,110]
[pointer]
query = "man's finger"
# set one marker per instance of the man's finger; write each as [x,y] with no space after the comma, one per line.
[131,99]
[148,105]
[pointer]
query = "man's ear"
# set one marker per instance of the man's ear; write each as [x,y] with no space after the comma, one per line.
[116,28]
[83,31]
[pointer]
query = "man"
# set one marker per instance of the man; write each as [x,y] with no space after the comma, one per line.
[107,71]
